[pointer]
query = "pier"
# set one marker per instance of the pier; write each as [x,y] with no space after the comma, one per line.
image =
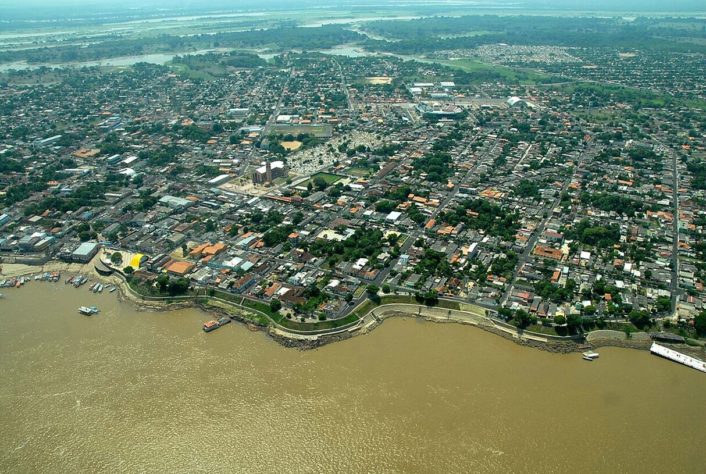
[678,357]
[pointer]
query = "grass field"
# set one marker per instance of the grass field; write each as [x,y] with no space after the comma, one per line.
[330,179]
[359,172]
[317,131]
[506,73]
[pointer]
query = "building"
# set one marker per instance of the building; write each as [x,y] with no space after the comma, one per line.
[179,268]
[218,180]
[175,202]
[85,252]
[269,172]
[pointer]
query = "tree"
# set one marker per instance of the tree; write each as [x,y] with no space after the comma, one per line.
[372,292]
[116,258]
[128,270]
[348,297]
[523,319]
[178,286]
[275,306]
[163,282]
[320,183]
[574,321]
[386,288]
[640,319]
[664,304]
[700,324]
[431,298]
[559,320]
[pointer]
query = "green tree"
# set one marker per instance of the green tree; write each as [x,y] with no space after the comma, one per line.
[559,320]
[128,270]
[664,304]
[275,305]
[431,298]
[178,286]
[700,324]
[574,322]
[116,258]
[522,319]
[163,282]
[386,288]
[640,319]
[320,183]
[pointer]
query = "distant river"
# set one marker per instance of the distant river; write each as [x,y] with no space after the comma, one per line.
[130,391]
[122,61]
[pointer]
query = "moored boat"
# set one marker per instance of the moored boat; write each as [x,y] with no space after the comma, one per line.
[88,310]
[590,355]
[209,326]
[223,321]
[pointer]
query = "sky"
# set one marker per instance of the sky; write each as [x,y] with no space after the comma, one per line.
[44,7]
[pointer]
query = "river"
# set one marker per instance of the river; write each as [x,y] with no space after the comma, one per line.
[129,391]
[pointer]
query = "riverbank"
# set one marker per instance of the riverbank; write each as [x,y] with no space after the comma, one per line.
[367,323]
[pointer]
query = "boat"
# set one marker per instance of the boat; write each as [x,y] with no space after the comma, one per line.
[112,288]
[209,326]
[99,288]
[590,355]
[88,310]
[675,356]
[223,321]
[1,296]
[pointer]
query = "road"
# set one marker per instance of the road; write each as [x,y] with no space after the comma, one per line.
[538,231]
[675,243]
[351,107]
[383,274]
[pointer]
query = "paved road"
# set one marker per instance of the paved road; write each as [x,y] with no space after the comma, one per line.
[675,243]
[538,231]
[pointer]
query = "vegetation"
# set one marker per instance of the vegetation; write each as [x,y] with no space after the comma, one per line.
[484,215]
[595,235]
[437,166]
[365,243]
[526,189]
[612,203]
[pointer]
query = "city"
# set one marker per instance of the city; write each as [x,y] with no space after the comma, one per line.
[311,174]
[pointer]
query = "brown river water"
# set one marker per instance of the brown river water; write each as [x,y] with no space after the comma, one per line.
[132,391]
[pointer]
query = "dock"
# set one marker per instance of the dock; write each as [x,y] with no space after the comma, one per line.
[678,357]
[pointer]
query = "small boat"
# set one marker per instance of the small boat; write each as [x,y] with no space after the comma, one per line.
[112,288]
[99,289]
[223,321]
[590,355]
[88,310]
[1,296]
[209,326]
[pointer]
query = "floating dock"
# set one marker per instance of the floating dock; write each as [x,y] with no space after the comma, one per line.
[678,357]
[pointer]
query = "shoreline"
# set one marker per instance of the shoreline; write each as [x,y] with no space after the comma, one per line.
[314,341]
